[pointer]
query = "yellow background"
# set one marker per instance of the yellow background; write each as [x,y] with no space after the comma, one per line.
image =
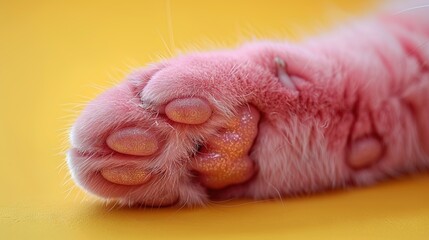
[56,55]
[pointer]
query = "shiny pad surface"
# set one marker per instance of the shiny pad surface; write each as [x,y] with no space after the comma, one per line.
[133,141]
[126,175]
[224,160]
[188,110]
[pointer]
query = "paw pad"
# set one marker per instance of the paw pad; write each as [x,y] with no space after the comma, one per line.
[133,141]
[364,152]
[126,175]
[224,158]
[188,110]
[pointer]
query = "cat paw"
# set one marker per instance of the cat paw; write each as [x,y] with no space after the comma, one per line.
[160,141]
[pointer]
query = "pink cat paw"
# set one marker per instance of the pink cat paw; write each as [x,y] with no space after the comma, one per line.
[160,152]
[266,120]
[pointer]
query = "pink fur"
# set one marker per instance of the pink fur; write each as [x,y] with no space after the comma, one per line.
[369,79]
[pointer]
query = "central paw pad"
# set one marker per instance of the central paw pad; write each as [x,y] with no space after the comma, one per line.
[224,160]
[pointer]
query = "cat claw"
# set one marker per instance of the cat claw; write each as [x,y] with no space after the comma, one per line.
[283,75]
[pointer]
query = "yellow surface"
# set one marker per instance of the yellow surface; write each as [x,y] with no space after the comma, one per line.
[54,56]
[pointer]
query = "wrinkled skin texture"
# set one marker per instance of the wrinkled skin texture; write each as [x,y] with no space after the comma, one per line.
[262,121]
